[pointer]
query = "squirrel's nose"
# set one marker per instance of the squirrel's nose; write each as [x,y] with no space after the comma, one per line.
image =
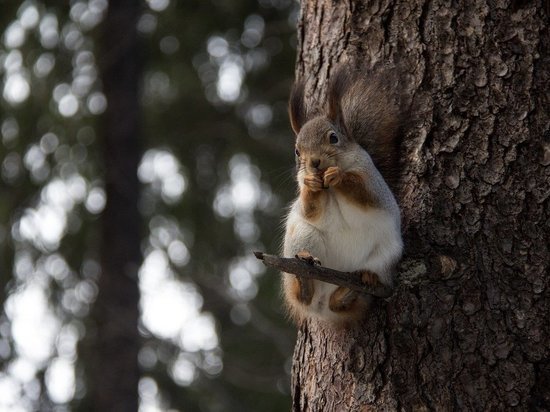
[315,163]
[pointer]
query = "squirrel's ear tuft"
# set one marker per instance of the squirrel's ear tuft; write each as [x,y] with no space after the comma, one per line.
[339,84]
[297,107]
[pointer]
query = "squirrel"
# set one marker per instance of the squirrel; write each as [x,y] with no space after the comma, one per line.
[345,216]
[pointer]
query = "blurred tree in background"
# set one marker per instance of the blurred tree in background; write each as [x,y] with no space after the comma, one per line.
[215,173]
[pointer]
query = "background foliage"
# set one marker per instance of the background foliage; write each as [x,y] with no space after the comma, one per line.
[216,175]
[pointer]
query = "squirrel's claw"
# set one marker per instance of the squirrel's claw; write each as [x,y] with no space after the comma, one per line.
[314,182]
[332,176]
[370,278]
[306,257]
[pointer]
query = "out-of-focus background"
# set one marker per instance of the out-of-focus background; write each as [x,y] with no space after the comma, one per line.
[216,173]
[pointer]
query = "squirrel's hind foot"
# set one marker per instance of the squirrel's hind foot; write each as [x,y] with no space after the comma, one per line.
[342,299]
[369,278]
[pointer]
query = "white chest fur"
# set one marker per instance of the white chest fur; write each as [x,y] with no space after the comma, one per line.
[347,237]
[359,238]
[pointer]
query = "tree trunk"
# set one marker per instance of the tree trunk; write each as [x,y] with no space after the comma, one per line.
[467,328]
[116,372]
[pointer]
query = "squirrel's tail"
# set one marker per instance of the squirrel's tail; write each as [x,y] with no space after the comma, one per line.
[370,108]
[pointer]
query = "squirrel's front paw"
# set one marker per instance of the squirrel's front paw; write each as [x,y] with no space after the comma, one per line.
[306,257]
[314,182]
[333,175]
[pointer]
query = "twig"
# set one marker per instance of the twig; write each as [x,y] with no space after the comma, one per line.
[301,268]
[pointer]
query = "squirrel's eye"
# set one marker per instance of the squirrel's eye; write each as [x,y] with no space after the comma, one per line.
[333,139]
[297,152]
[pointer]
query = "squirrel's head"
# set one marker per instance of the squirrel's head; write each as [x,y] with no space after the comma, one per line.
[321,141]
[320,144]
[361,118]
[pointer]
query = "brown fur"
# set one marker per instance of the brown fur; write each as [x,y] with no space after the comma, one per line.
[342,299]
[294,297]
[370,278]
[296,107]
[362,109]
[350,305]
[312,203]
[332,177]
[306,291]
[366,106]
[373,115]
[352,186]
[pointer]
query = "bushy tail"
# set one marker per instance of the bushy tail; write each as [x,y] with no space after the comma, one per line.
[371,111]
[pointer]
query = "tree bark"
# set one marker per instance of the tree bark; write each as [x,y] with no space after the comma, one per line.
[467,327]
[116,370]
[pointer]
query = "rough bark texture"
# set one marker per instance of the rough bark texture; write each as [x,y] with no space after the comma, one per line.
[468,326]
[116,370]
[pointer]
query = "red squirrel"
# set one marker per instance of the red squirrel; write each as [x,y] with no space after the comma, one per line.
[345,216]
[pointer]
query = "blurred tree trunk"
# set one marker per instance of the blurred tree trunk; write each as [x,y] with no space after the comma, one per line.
[468,327]
[116,372]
